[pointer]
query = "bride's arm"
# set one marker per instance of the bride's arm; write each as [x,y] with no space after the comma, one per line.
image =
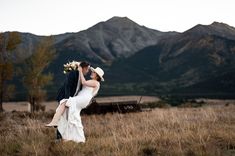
[89,83]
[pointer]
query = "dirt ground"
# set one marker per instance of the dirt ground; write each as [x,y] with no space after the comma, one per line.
[51,105]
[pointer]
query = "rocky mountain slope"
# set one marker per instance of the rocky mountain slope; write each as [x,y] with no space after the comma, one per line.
[104,42]
[139,60]
[201,55]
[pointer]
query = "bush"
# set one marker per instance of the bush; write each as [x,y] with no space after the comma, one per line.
[157,104]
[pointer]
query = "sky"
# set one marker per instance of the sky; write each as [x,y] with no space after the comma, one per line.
[50,17]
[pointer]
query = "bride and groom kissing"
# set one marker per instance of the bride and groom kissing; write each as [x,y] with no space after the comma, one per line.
[75,95]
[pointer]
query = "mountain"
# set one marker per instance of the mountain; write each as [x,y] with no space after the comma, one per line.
[183,63]
[139,60]
[216,28]
[28,43]
[101,44]
[104,42]
[115,38]
[25,49]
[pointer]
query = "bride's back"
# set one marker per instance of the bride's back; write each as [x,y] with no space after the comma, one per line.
[86,90]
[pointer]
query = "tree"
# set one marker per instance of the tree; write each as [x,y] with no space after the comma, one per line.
[34,79]
[8,43]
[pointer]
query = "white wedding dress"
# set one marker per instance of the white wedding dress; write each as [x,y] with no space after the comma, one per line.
[70,124]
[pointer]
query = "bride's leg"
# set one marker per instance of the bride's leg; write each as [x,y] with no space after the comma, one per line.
[59,111]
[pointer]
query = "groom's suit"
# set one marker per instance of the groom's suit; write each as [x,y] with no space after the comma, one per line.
[72,85]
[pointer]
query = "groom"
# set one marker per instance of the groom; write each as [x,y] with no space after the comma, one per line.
[71,87]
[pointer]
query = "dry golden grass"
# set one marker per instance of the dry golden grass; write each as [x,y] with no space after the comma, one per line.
[208,130]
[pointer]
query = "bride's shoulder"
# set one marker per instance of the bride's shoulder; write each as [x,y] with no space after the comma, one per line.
[95,82]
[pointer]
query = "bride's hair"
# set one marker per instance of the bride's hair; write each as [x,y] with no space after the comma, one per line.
[98,78]
[84,64]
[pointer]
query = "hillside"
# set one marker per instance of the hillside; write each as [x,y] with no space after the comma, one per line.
[182,61]
[139,60]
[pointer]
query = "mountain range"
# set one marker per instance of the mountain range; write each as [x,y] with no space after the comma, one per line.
[140,60]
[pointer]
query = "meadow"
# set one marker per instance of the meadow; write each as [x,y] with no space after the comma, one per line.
[206,130]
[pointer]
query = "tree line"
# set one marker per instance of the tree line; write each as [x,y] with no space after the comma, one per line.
[33,73]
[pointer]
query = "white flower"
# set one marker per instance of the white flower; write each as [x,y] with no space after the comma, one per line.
[71,66]
[73,63]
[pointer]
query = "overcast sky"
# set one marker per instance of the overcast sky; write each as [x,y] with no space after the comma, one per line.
[47,17]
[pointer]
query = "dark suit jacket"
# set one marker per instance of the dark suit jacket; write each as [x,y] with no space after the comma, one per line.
[69,87]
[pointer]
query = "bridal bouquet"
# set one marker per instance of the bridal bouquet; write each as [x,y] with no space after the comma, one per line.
[71,66]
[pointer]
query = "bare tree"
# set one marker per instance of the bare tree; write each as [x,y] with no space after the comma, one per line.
[8,43]
[34,78]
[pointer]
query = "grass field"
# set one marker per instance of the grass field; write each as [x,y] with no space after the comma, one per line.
[208,130]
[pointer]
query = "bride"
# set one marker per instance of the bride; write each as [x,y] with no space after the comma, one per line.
[67,116]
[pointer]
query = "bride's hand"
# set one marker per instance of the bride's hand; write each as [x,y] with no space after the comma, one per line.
[80,69]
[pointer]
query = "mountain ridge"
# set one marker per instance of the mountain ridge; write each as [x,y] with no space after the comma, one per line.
[103,42]
[139,60]
[182,61]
